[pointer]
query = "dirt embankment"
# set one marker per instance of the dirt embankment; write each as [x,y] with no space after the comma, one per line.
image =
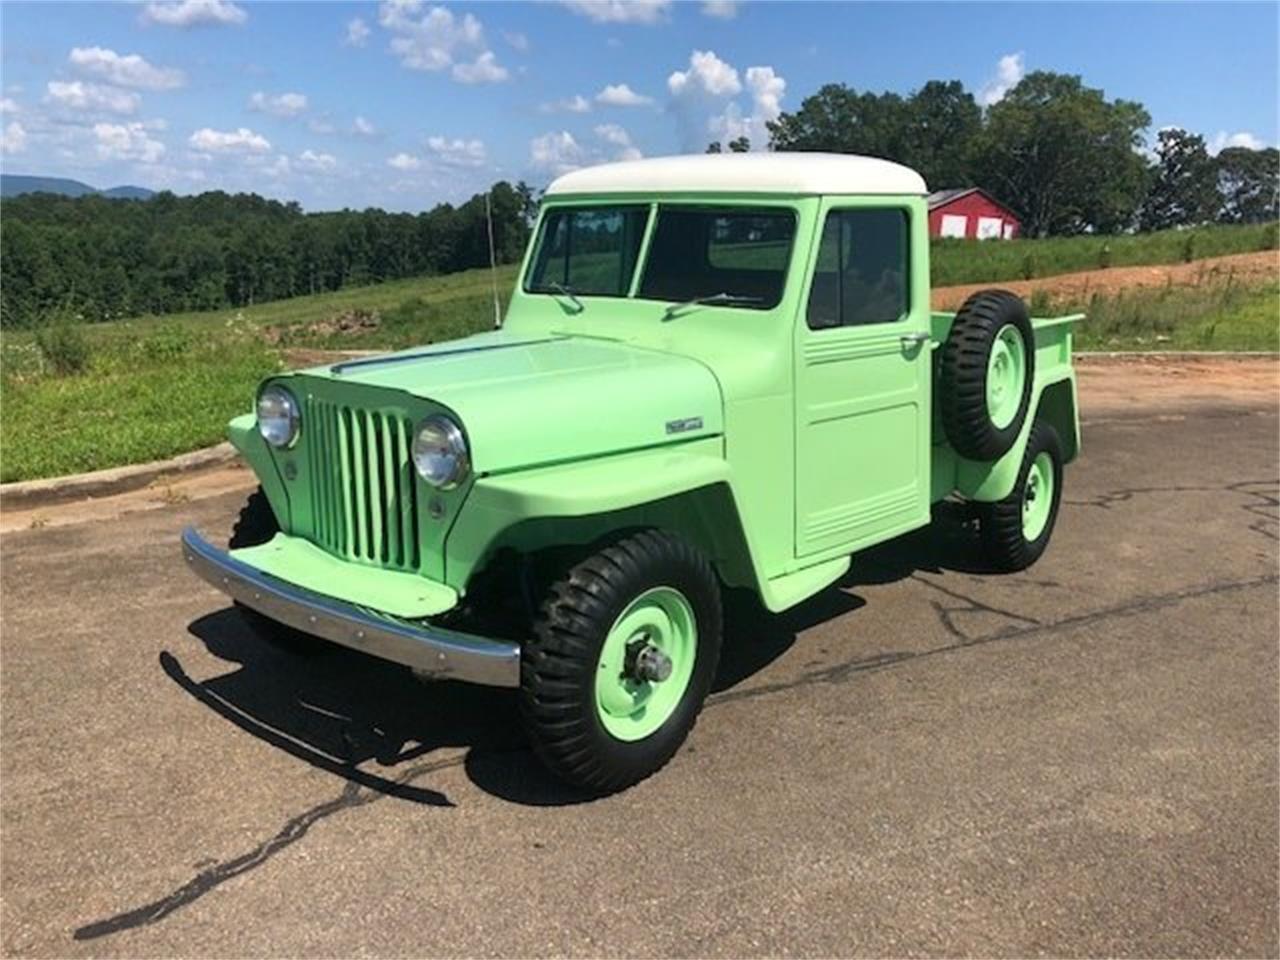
[1241,267]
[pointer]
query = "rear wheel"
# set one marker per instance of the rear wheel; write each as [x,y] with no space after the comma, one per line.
[256,525]
[623,654]
[1016,530]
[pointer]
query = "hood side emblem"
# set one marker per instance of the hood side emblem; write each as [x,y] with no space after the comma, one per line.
[684,426]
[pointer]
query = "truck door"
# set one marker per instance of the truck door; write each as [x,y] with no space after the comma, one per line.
[863,379]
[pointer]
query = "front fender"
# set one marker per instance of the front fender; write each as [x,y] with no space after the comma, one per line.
[244,436]
[686,487]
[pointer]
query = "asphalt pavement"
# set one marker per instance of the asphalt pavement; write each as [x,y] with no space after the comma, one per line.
[927,759]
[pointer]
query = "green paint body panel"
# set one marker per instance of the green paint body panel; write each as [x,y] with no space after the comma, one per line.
[302,563]
[777,449]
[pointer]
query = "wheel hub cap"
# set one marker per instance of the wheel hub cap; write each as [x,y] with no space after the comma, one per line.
[1037,497]
[1006,373]
[646,663]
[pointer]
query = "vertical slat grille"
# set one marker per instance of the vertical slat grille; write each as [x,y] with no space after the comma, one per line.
[363,504]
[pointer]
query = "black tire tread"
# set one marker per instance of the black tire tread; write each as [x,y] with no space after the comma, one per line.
[1004,546]
[963,375]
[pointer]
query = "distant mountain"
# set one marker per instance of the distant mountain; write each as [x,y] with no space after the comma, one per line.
[11,185]
[129,193]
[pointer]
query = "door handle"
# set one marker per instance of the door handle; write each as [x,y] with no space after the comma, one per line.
[909,340]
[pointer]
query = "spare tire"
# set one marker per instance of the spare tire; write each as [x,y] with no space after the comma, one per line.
[988,365]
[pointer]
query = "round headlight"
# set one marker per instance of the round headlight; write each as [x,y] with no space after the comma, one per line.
[278,419]
[440,452]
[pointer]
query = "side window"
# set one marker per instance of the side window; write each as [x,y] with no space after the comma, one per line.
[862,273]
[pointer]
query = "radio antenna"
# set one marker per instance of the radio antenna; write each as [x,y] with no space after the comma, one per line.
[493,263]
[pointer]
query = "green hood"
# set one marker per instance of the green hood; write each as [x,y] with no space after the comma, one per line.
[524,401]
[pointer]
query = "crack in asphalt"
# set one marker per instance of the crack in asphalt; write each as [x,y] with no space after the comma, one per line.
[1265,505]
[843,671]
[353,795]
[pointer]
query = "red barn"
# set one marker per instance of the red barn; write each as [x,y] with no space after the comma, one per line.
[970,212]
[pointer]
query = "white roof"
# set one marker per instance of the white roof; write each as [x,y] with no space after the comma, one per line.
[784,173]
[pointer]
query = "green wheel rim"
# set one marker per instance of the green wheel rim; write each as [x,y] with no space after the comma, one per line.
[631,708]
[1006,376]
[1037,497]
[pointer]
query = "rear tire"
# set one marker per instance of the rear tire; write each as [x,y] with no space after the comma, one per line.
[596,710]
[1016,530]
[988,365]
[256,525]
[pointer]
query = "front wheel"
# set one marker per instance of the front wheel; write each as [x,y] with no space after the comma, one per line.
[623,654]
[1016,530]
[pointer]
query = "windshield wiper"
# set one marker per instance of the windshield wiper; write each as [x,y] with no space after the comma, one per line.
[564,291]
[712,299]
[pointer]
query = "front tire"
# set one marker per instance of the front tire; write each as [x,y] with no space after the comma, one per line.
[1016,530]
[624,650]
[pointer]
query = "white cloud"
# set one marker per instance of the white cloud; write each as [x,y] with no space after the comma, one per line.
[280,167]
[432,40]
[621,95]
[620,11]
[194,13]
[404,162]
[91,97]
[458,152]
[362,127]
[322,125]
[720,9]
[14,138]
[127,141]
[707,75]
[705,105]
[9,105]
[278,104]
[575,104]
[1009,73]
[125,71]
[556,153]
[1222,140]
[515,40]
[357,32]
[484,69]
[241,140]
[317,162]
[616,136]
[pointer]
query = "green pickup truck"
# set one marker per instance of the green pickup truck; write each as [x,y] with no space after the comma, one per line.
[714,372]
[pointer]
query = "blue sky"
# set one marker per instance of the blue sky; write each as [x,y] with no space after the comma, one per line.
[406,104]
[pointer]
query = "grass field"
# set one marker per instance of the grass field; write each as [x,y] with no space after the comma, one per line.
[158,386]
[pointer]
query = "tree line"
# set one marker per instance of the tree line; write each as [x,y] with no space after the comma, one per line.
[1060,154]
[1065,158]
[104,258]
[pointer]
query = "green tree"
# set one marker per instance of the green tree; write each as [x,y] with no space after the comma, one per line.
[838,119]
[943,122]
[1063,156]
[1184,188]
[1248,185]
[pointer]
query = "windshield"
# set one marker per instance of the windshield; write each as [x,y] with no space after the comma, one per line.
[701,253]
[725,256]
[588,250]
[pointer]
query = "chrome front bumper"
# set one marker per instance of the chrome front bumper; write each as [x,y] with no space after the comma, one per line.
[430,650]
